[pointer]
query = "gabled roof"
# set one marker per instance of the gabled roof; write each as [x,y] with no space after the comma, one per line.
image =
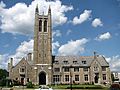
[81,60]
[21,62]
[102,61]
[71,59]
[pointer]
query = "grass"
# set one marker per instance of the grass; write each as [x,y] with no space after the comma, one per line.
[79,87]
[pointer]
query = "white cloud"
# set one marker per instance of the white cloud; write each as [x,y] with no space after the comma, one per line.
[97,22]
[56,33]
[2,5]
[55,46]
[82,18]
[3,61]
[73,47]
[19,19]
[104,36]
[69,31]
[22,51]
[114,63]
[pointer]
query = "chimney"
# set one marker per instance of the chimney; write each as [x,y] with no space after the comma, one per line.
[11,62]
[8,67]
[29,56]
[95,56]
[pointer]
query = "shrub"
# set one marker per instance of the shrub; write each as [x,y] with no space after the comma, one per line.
[6,82]
[29,85]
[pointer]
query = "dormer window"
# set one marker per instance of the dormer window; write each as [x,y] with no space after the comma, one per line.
[83,62]
[74,62]
[56,62]
[65,62]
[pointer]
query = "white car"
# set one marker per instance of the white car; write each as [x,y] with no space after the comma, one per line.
[44,88]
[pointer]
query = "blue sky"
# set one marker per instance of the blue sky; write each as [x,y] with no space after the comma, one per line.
[79,27]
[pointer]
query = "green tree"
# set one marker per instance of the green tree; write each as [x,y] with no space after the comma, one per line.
[3,74]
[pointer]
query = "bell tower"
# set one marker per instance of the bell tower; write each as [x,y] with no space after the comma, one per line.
[43,44]
[42,38]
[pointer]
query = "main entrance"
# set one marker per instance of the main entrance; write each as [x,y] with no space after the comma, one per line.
[42,78]
[96,77]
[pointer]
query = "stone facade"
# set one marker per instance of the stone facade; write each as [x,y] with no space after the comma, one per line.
[88,69]
[47,69]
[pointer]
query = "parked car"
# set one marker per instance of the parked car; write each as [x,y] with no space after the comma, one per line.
[44,87]
[115,86]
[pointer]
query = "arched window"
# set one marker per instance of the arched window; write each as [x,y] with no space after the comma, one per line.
[45,26]
[40,25]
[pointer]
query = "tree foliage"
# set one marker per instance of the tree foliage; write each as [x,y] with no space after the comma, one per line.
[3,74]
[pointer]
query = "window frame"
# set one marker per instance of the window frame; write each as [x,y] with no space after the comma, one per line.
[104,77]
[40,25]
[67,78]
[86,77]
[45,26]
[77,78]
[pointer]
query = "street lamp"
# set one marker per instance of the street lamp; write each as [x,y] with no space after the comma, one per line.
[36,74]
[70,77]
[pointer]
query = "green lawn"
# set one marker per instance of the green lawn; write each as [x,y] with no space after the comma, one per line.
[79,87]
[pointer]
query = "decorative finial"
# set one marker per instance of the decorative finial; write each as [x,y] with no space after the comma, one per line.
[49,10]
[36,10]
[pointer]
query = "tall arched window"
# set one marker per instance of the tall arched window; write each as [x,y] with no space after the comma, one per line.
[45,26]
[40,25]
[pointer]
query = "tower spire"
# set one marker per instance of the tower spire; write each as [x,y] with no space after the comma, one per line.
[37,10]
[49,10]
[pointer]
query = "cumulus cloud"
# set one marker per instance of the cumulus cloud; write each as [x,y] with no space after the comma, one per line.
[82,18]
[73,47]
[68,32]
[104,36]
[19,19]
[56,33]
[97,22]
[2,4]
[55,46]
[114,62]
[3,61]
[22,51]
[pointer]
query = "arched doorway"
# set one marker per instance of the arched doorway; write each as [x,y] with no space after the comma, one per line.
[42,78]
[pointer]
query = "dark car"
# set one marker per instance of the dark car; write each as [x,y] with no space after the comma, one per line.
[115,86]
